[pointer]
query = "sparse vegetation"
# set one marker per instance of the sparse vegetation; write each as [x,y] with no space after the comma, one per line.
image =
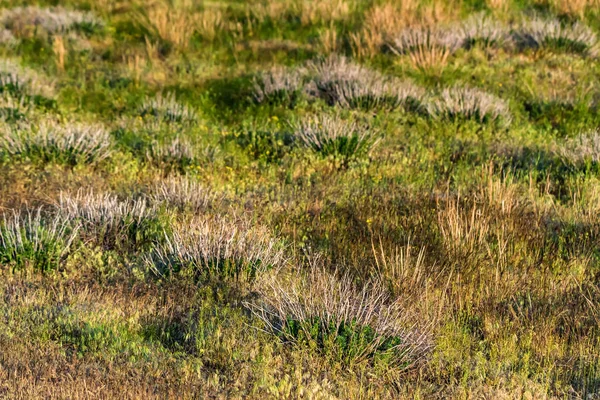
[300,199]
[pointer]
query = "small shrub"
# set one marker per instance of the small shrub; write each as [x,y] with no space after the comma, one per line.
[469,103]
[215,246]
[21,20]
[332,135]
[166,108]
[278,85]
[109,222]
[71,144]
[31,240]
[338,319]
[539,33]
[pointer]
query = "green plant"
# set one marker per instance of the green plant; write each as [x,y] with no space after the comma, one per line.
[35,241]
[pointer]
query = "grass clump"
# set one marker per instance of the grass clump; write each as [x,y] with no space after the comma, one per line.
[166,108]
[352,325]
[108,222]
[218,247]
[278,85]
[469,103]
[581,150]
[31,240]
[177,154]
[340,81]
[427,48]
[21,81]
[23,21]
[541,33]
[183,193]
[334,136]
[70,144]
[483,29]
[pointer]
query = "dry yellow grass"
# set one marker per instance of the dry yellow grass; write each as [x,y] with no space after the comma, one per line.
[576,8]
[60,52]
[498,5]
[173,23]
[316,11]
[387,19]
[329,40]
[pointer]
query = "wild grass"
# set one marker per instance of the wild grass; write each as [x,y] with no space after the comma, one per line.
[575,8]
[278,84]
[218,146]
[340,81]
[14,108]
[539,33]
[109,222]
[469,103]
[581,150]
[184,193]
[427,48]
[24,21]
[166,107]
[483,29]
[32,240]
[177,154]
[51,141]
[331,315]
[217,247]
[334,136]
[23,81]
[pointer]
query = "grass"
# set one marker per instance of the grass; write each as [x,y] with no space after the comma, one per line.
[299,199]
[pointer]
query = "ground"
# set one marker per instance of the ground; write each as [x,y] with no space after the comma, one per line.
[300,199]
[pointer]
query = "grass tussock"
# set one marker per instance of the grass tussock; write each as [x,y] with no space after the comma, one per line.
[32,240]
[165,107]
[469,103]
[582,149]
[279,84]
[335,136]
[184,193]
[539,33]
[22,81]
[350,324]
[218,247]
[109,222]
[70,144]
[340,81]
[24,21]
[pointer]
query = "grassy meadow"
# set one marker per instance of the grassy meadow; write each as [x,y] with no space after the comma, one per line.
[290,199]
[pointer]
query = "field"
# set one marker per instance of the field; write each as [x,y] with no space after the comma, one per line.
[343,199]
